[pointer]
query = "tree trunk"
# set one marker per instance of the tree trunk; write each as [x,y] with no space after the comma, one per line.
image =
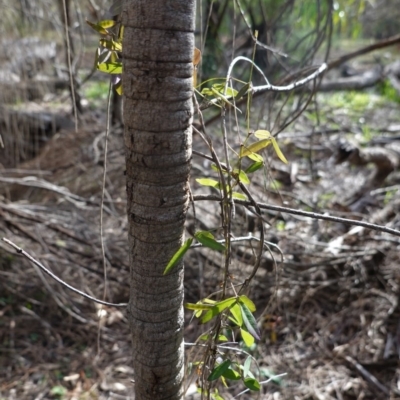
[157,85]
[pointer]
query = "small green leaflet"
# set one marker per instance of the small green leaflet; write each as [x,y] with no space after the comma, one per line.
[237,313]
[254,147]
[102,26]
[198,306]
[247,365]
[255,157]
[254,167]
[111,45]
[250,322]
[219,370]
[208,182]
[252,384]
[243,91]
[245,300]
[241,175]
[110,67]
[247,338]
[207,239]
[217,309]
[178,255]
[231,374]
[265,135]
[239,196]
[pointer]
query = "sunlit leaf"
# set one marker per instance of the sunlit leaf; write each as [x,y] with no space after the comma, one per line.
[254,147]
[111,44]
[178,255]
[221,96]
[118,87]
[222,338]
[98,28]
[237,313]
[248,339]
[239,196]
[110,67]
[262,134]
[278,151]
[207,239]
[198,306]
[241,175]
[245,300]
[217,309]
[216,396]
[107,23]
[208,182]
[252,384]
[255,157]
[250,321]
[219,370]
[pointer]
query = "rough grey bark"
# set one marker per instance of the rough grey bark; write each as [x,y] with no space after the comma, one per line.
[157,84]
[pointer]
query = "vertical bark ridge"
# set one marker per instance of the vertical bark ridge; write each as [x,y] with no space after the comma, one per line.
[157,85]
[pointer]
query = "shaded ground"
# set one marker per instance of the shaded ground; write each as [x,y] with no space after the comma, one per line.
[329,312]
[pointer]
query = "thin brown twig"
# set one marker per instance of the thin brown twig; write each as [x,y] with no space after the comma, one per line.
[57,279]
[313,215]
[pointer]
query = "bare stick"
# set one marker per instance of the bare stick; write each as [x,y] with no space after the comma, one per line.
[56,278]
[308,214]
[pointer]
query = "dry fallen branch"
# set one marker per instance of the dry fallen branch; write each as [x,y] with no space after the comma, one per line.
[346,221]
[56,278]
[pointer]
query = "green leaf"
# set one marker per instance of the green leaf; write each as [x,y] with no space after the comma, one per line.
[261,134]
[207,239]
[254,147]
[221,96]
[248,339]
[222,338]
[208,182]
[255,157]
[217,309]
[111,44]
[254,167]
[241,175]
[219,370]
[245,300]
[252,384]
[216,396]
[237,313]
[110,67]
[101,26]
[107,23]
[278,151]
[243,91]
[118,87]
[231,374]
[239,196]
[198,306]
[250,322]
[178,255]
[246,366]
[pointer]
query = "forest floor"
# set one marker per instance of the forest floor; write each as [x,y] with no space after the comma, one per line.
[328,309]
